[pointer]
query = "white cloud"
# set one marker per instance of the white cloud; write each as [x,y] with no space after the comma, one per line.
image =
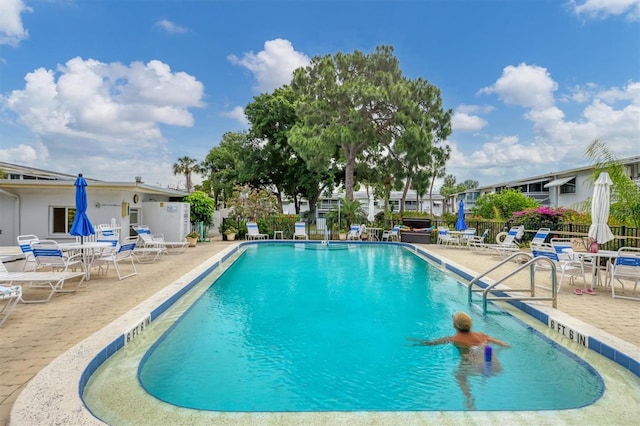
[238,114]
[22,154]
[601,9]
[612,115]
[170,27]
[11,28]
[108,114]
[474,109]
[467,123]
[274,66]
[524,85]
[629,93]
[111,103]
[580,94]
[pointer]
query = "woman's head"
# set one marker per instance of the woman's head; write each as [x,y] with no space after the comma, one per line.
[462,321]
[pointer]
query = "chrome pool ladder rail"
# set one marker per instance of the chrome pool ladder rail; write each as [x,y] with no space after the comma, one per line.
[530,263]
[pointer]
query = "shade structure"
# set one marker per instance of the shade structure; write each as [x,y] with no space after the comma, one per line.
[460,223]
[81,226]
[371,214]
[600,203]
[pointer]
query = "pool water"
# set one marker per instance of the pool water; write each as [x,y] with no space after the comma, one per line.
[292,329]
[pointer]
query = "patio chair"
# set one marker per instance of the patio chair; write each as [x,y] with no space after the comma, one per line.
[124,253]
[253,233]
[540,237]
[571,267]
[24,241]
[300,231]
[564,248]
[445,238]
[626,267]
[49,256]
[354,232]
[9,298]
[147,239]
[391,235]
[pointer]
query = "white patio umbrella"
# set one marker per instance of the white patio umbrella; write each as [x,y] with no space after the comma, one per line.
[371,214]
[599,230]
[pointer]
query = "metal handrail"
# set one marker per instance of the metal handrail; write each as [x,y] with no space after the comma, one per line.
[532,290]
[476,279]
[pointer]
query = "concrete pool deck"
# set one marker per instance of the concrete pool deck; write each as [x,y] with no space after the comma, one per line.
[35,335]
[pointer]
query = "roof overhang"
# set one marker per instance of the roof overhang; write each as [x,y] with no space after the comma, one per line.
[104,186]
[559,182]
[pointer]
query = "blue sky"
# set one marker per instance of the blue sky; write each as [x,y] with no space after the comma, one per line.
[118,89]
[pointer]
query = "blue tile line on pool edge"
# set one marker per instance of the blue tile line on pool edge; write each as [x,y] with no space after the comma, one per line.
[118,343]
[594,344]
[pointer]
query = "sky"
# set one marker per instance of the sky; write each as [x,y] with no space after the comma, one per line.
[116,89]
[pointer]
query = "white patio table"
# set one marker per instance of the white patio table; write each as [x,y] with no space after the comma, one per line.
[595,261]
[87,249]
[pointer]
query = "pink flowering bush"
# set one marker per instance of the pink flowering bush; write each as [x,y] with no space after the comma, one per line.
[546,217]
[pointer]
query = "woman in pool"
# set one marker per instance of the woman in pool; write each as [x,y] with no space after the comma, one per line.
[471,345]
[464,339]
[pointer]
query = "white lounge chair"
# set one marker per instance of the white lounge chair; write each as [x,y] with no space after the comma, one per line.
[540,237]
[9,298]
[509,245]
[124,253]
[54,281]
[147,239]
[300,231]
[626,267]
[467,235]
[573,268]
[24,241]
[253,233]
[476,243]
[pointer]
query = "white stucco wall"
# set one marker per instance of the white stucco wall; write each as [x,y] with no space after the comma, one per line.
[35,206]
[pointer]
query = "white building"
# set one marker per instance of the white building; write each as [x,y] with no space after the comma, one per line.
[568,188]
[40,202]
[411,204]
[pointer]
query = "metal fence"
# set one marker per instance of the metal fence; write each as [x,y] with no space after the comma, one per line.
[625,236]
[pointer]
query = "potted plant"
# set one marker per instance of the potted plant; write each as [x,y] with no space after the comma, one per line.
[231,232]
[192,238]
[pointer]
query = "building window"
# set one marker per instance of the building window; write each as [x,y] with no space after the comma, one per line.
[61,219]
[569,187]
[411,205]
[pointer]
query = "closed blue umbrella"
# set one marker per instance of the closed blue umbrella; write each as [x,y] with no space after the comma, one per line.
[81,226]
[460,223]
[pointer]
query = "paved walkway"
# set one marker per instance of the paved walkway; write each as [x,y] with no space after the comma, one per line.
[36,334]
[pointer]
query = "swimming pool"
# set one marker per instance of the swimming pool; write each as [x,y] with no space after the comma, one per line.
[291,329]
[104,369]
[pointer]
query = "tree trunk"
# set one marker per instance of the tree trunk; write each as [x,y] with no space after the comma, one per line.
[407,184]
[350,155]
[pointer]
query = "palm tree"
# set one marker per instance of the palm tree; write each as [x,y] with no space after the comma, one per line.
[625,193]
[185,166]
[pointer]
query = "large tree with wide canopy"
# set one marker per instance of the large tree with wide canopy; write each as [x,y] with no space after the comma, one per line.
[355,107]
